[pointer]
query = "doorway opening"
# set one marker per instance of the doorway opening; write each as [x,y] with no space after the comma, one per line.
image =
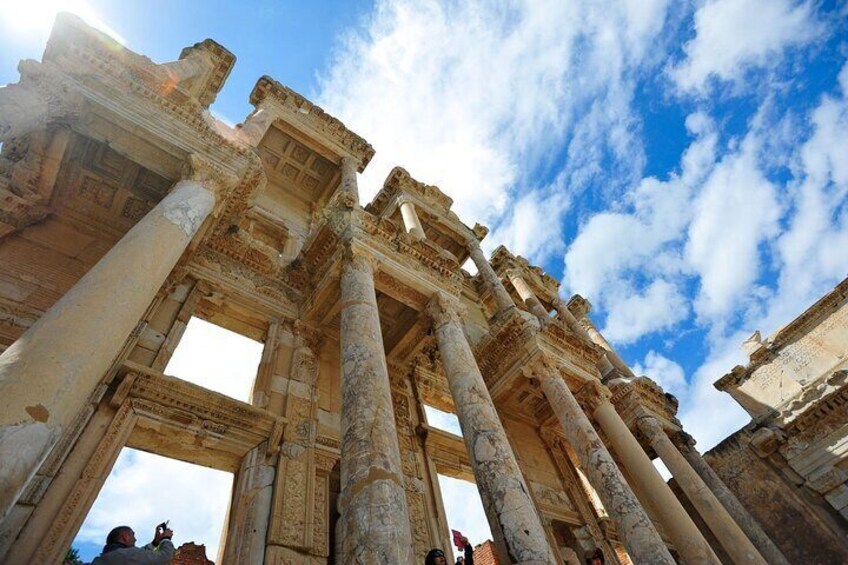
[144,490]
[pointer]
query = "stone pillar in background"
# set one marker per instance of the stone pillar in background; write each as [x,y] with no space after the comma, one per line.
[731,537]
[684,534]
[596,336]
[374,514]
[250,509]
[740,514]
[348,186]
[528,296]
[632,523]
[410,219]
[564,314]
[490,278]
[47,374]
[511,513]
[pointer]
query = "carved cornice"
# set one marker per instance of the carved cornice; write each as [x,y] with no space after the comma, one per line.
[544,286]
[222,63]
[579,306]
[302,110]
[795,330]
[399,182]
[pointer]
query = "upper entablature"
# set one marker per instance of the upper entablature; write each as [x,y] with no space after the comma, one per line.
[277,105]
[196,77]
[425,211]
[544,286]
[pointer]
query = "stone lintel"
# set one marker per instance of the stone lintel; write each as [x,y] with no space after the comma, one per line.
[295,110]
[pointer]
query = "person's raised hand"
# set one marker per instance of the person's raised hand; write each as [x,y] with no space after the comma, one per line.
[162,533]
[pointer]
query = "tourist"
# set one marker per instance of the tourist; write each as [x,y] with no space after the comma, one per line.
[437,556]
[594,557]
[120,548]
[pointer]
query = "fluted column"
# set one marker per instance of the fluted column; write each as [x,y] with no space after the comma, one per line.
[512,516]
[684,534]
[410,219]
[490,278]
[632,523]
[528,296]
[740,514]
[47,374]
[731,537]
[374,516]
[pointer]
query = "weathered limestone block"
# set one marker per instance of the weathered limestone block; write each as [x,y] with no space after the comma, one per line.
[46,376]
[251,508]
[506,498]
[374,515]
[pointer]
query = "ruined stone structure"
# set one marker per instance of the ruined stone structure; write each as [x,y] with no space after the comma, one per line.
[790,464]
[127,209]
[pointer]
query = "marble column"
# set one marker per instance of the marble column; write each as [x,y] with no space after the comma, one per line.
[684,534]
[732,538]
[528,296]
[740,514]
[348,186]
[632,523]
[410,219]
[374,514]
[47,374]
[490,278]
[512,516]
[598,338]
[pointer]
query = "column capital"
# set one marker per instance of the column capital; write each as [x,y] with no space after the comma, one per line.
[358,258]
[201,170]
[652,428]
[592,395]
[443,309]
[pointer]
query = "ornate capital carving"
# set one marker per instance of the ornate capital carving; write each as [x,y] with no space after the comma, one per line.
[579,306]
[480,231]
[652,429]
[443,309]
[201,170]
[592,395]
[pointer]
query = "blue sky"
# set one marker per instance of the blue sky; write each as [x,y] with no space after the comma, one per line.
[684,165]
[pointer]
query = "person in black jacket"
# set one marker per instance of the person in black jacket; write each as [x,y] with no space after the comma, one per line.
[437,556]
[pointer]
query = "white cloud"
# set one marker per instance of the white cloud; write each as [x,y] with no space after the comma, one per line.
[732,36]
[665,372]
[464,510]
[476,98]
[144,490]
[658,307]
[735,210]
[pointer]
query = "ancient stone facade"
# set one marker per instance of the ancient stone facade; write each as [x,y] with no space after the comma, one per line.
[126,209]
[789,466]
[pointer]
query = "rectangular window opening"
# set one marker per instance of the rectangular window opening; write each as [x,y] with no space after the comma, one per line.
[441,420]
[144,490]
[217,359]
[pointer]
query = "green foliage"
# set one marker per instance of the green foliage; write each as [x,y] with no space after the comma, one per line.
[73,557]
